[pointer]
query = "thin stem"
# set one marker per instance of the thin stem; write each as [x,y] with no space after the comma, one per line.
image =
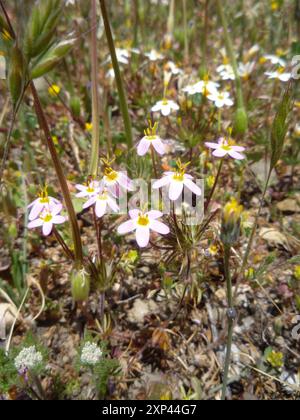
[97,225]
[68,253]
[215,185]
[231,53]
[185,29]
[60,175]
[94,161]
[153,162]
[118,76]
[230,319]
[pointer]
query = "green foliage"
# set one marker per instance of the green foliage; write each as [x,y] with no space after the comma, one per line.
[16,74]
[8,373]
[280,126]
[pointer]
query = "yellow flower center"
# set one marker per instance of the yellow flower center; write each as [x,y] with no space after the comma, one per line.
[103,196]
[47,218]
[111,175]
[143,220]
[150,133]
[44,200]
[165,102]
[178,176]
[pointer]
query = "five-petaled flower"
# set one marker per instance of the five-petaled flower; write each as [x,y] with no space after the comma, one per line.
[177,181]
[44,202]
[90,190]
[151,139]
[102,201]
[165,106]
[221,99]
[142,223]
[113,180]
[226,146]
[47,219]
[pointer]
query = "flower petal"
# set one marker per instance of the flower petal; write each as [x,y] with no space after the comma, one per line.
[212,145]
[192,187]
[159,227]
[36,210]
[100,208]
[35,223]
[126,227]
[154,214]
[143,147]
[166,110]
[90,202]
[47,228]
[56,209]
[161,182]
[220,153]
[58,220]
[236,155]
[134,214]
[159,146]
[113,205]
[175,190]
[142,236]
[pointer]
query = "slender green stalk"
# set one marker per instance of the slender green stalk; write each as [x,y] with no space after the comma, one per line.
[118,76]
[171,19]
[94,160]
[231,54]
[231,317]
[203,68]
[60,175]
[215,185]
[185,30]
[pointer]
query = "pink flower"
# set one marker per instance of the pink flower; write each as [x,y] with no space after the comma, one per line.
[142,223]
[102,201]
[151,139]
[44,202]
[226,147]
[89,190]
[177,181]
[47,219]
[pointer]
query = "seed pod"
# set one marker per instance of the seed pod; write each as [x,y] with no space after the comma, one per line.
[50,59]
[75,106]
[16,74]
[241,121]
[231,223]
[280,126]
[80,283]
[41,27]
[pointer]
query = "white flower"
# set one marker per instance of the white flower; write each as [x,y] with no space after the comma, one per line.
[47,219]
[275,60]
[151,139]
[89,190]
[279,75]
[165,106]
[173,68]
[153,55]
[177,181]
[68,2]
[91,354]
[102,201]
[226,72]
[44,202]
[123,55]
[113,180]
[205,87]
[28,358]
[246,69]
[226,147]
[142,223]
[221,99]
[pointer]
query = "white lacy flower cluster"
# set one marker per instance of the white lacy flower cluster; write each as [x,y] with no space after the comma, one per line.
[28,358]
[91,354]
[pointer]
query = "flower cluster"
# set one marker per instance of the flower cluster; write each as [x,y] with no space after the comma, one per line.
[91,354]
[45,212]
[28,359]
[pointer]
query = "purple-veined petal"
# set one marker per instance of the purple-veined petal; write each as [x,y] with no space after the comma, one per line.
[212,145]
[58,220]
[238,148]
[33,203]
[57,209]
[142,236]
[113,205]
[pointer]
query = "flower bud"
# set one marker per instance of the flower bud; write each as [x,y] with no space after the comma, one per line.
[51,58]
[231,223]
[241,121]
[80,283]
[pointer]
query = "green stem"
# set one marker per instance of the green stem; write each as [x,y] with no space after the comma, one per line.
[94,161]
[118,76]
[231,53]
[214,186]
[231,317]
[60,175]
[185,29]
